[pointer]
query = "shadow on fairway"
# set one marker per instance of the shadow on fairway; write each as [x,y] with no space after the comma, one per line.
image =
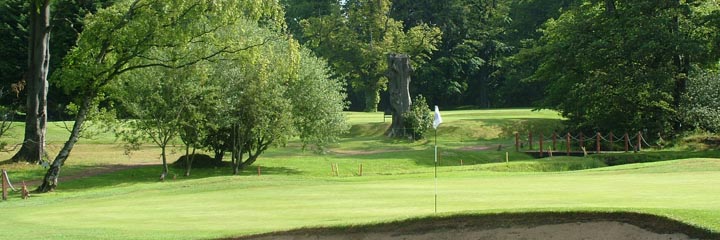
[151,174]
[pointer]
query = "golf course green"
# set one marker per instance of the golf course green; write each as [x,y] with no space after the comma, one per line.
[109,195]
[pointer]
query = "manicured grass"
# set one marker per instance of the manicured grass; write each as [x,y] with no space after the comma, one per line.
[234,205]
[297,189]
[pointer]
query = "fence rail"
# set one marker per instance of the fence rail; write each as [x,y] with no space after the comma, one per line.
[580,142]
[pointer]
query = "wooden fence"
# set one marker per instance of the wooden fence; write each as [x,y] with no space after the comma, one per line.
[575,143]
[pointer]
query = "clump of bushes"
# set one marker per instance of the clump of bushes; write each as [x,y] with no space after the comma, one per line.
[419,118]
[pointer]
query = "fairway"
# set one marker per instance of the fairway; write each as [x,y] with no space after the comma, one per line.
[297,190]
[227,206]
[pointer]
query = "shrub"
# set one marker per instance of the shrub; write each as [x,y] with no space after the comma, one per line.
[419,118]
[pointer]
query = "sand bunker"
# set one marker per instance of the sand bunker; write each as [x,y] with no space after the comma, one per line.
[571,225]
[585,231]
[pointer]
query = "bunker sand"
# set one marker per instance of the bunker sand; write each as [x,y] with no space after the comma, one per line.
[571,225]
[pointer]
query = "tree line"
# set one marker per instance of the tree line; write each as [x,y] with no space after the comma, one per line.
[254,73]
[604,65]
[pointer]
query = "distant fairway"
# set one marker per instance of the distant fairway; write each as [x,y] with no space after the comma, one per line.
[296,189]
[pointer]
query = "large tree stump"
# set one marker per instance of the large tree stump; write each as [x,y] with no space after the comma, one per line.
[398,74]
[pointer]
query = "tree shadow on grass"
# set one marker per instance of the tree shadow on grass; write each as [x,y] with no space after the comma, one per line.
[151,174]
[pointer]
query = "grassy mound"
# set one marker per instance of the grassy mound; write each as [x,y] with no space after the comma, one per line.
[199,161]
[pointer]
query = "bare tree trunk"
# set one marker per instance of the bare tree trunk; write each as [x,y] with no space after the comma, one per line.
[50,181]
[33,146]
[398,73]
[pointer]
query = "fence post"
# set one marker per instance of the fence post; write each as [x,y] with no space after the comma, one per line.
[627,142]
[567,143]
[541,145]
[597,143]
[517,141]
[4,185]
[554,146]
[582,140]
[639,138]
[612,141]
[530,140]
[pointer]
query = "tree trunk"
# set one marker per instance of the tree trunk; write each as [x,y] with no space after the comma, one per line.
[237,150]
[238,162]
[188,160]
[50,181]
[398,73]
[164,163]
[33,146]
[219,154]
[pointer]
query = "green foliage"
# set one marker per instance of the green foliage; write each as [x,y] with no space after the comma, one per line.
[617,71]
[468,66]
[14,38]
[318,103]
[419,118]
[357,42]
[298,10]
[700,108]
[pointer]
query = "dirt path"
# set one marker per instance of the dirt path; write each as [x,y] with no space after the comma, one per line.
[364,152]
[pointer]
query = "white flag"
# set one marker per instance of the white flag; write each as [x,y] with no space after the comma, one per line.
[438,120]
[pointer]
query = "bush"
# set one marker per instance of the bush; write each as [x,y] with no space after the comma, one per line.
[700,108]
[419,118]
[199,161]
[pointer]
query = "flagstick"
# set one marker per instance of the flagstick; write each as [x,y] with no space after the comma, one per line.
[436,162]
[436,122]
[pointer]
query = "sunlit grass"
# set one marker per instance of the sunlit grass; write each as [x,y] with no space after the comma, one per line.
[297,188]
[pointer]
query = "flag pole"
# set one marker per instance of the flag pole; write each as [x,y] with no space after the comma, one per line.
[436,122]
[436,163]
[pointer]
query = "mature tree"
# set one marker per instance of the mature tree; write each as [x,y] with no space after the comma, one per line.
[615,68]
[125,37]
[199,102]
[466,68]
[318,101]
[160,103]
[527,17]
[357,41]
[277,92]
[66,23]
[298,10]
[33,147]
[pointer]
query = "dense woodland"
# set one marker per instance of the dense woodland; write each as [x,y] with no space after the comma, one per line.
[604,65]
